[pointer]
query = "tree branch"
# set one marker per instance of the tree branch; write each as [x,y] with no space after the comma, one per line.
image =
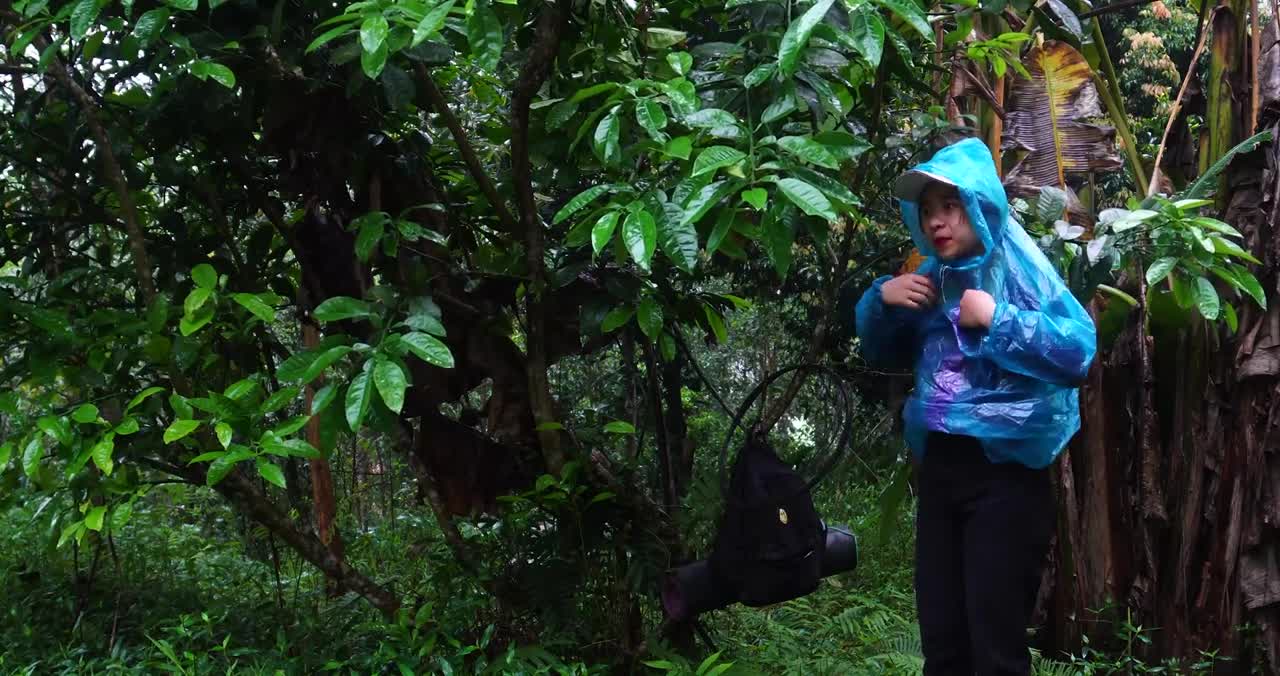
[436,101]
[541,55]
[114,175]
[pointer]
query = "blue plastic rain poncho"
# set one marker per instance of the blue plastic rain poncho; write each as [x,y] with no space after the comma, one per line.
[1014,386]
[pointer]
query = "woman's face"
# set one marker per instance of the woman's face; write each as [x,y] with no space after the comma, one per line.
[946,224]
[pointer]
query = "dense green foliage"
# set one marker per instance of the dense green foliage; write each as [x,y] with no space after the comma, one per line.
[499,264]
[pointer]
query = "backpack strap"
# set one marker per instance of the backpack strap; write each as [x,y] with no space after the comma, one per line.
[842,404]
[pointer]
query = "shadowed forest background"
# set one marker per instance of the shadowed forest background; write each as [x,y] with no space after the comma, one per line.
[401,336]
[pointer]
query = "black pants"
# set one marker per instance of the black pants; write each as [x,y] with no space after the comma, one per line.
[982,531]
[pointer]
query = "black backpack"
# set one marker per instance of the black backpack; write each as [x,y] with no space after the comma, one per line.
[770,543]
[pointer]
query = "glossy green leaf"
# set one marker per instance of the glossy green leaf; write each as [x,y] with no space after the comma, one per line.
[373,62]
[680,62]
[707,198]
[796,38]
[809,151]
[1159,269]
[292,425]
[143,396]
[120,516]
[196,300]
[373,32]
[651,117]
[760,74]
[101,453]
[341,307]
[716,322]
[484,35]
[271,472]
[83,16]
[185,5]
[371,231]
[85,413]
[715,157]
[908,11]
[1250,285]
[326,37]
[6,451]
[391,384]
[680,146]
[256,306]
[431,23]
[866,28]
[602,231]
[724,223]
[359,399]
[219,468]
[778,237]
[617,317]
[1207,300]
[93,519]
[649,317]
[150,25]
[710,117]
[428,349]
[223,431]
[679,241]
[31,457]
[605,139]
[756,197]
[1228,314]
[279,399]
[127,426]
[620,427]
[579,201]
[204,276]
[179,429]
[808,198]
[640,235]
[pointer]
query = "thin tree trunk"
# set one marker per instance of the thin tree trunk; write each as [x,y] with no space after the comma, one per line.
[324,506]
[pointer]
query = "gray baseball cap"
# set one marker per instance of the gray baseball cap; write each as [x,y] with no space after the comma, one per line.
[909,185]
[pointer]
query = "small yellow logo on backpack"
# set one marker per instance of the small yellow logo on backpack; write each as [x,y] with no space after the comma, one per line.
[782,516]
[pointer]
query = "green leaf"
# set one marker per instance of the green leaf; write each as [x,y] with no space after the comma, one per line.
[909,12]
[579,201]
[605,139]
[341,307]
[56,428]
[680,241]
[680,146]
[240,389]
[293,424]
[85,413]
[391,384]
[279,399]
[271,472]
[223,431]
[431,23]
[425,315]
[359,399]
[256,306]
[1160,269]
[1209,179]
[680,62]
[716,322]
[809,150]
[808,198]
[127,426]
[372,63]
[617,317]
[1228,314]
[715,157]
[428,349]
[289,447]
[219,468]
[371,231]
[151,24]
[180,429]
[682,94]
[756,197]
[1250,285]
[708,118]
[31,457]
[707,198]
[102,455]
[867,31]
[1216,225]
[759,75]
[373,32]
[327,37]
[6,451]
[602,231]
[780,108]
[196,300]
[93,520]
[649,317]
[1207,299]
[778,237]
[484,35]
[324,361]
[218,72]
[184,5]
[142,396]
[661,38]
[797,36]
[560,114]
[120,516]
[620,427]
[640,234]
[324,398]
[723,224]
[650,116]
[204,276]
[82,18]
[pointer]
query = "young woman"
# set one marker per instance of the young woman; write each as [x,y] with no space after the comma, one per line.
[999,346]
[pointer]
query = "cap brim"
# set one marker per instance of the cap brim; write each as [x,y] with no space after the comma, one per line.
[911,184]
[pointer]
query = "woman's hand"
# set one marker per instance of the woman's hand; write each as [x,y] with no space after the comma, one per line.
[977,309]
[911,291]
